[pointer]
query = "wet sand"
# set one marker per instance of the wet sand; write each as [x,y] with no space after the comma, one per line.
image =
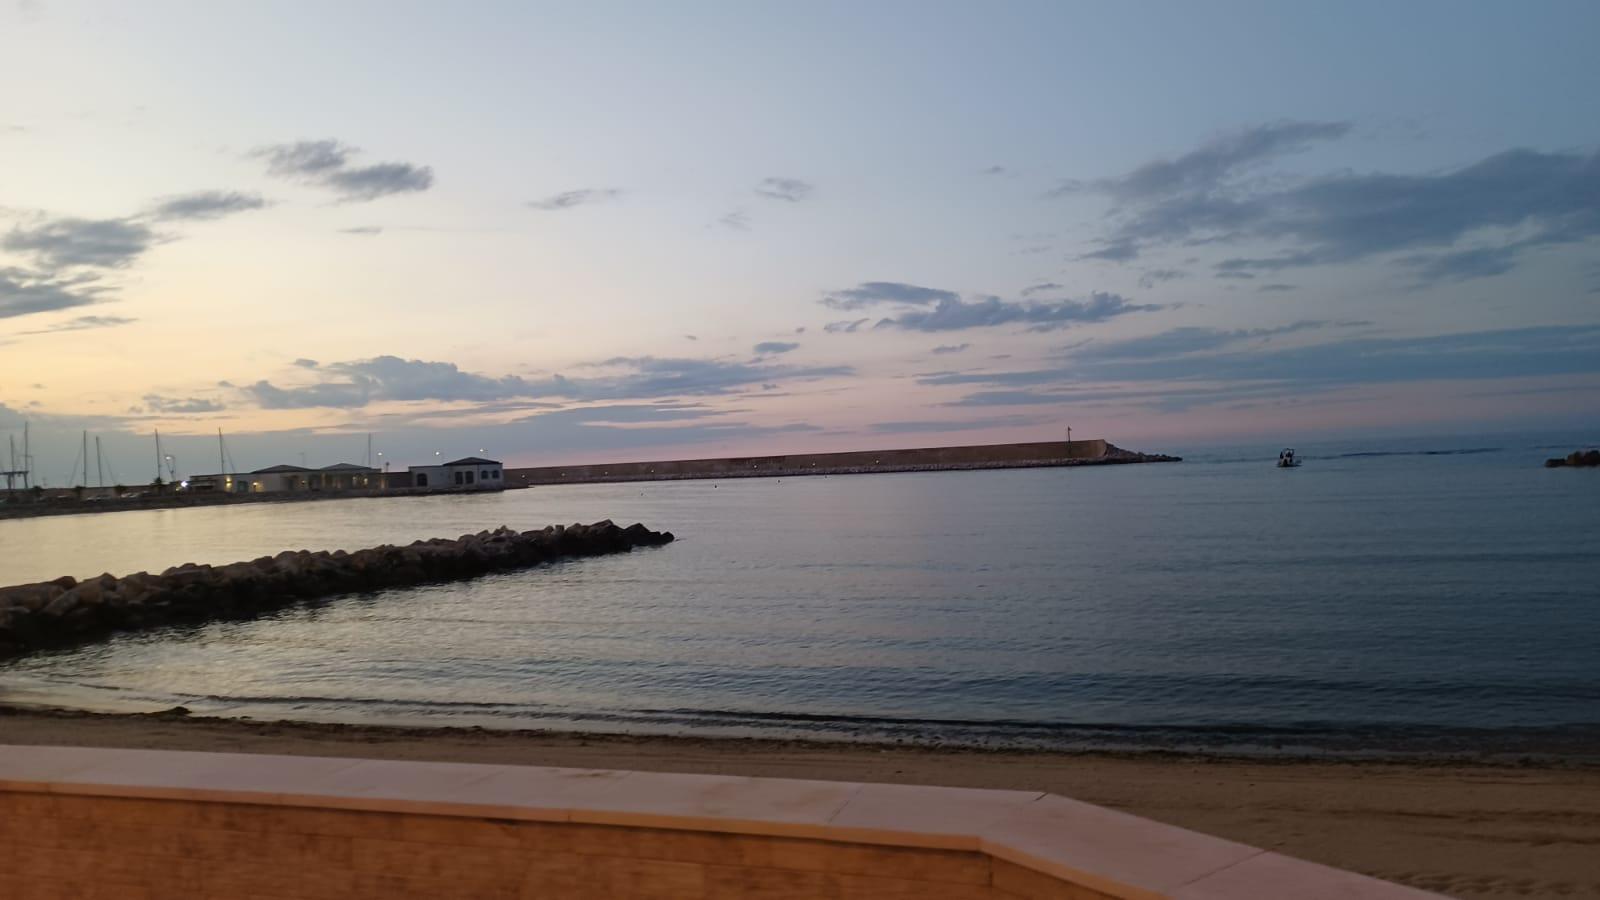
[1468,830]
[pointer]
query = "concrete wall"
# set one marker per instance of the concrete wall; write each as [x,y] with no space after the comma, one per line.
[979,456]
[135,824]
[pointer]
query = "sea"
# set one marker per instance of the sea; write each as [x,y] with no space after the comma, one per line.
[1426,597]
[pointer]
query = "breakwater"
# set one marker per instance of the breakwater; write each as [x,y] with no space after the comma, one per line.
[66,611]
[856,462]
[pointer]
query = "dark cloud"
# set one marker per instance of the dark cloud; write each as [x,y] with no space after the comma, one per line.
[180,405]
[1010,398]
[955,315]
[928,425]
[1149,278]
[66,243]
[83,323]
[1512,203]
[206,205]
[1212,163]
[847,326]
[944,349]
[994,170]
[1043,287]
[569,199]
[870,293]
[390,378]
[1178,341]
[304,159]
[1118,250]
[304,363]
[1461,265]
[773,348]
[327,163]
[24,293]
[1189,367]
[1276,287]
[381,180]
[792,190]
[328,394]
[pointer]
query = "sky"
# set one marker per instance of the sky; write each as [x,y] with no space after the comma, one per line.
[559,233]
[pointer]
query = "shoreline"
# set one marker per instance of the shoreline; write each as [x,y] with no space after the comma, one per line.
[1467,829]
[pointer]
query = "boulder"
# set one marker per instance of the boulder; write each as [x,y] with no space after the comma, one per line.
[66,609]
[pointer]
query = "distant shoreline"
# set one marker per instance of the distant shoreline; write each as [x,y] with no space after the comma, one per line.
[178,500]
[1045,454]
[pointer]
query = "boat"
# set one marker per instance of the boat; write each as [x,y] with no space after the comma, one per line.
[1287,459]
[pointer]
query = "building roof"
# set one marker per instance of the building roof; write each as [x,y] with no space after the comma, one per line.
[275,470]
[346,467]
[473,461]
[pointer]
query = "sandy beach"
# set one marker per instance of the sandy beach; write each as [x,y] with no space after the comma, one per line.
[1462,830]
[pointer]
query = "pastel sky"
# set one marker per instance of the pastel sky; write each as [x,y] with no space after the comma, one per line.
[598,231]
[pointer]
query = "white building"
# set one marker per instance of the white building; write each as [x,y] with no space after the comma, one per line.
[277,479]
[470,472]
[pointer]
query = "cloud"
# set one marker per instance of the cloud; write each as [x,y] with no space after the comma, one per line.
[1213,162]
[792,190]
[1461,265]
[206,205]
[954,315]
[848,326]
[870,293]
[390,378]
[368,230]
[1149,278]
[381,180]
[65,243]
[83,323]
[327,163]
[569,199]
[929,425]
[1196,366]
[327,394]
[944,349]
[738,220]
[304,363]
[1276,287]
[773,348]
[23,293]
[994,170]
[1501,207]
[1178,341]
[1043,287]
[181,405]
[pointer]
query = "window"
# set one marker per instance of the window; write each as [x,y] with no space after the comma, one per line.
[469,477]
[458,477]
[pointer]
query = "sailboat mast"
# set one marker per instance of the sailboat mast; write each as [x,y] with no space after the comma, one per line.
[222,454]
[158,454]
[99,463]
[27,460]
[85,458]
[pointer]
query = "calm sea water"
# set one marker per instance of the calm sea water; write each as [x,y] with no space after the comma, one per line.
[1429,596]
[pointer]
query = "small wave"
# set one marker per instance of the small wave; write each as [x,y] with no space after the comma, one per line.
[1469,451]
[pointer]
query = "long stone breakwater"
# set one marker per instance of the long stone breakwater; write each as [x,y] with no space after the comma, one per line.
[68,611]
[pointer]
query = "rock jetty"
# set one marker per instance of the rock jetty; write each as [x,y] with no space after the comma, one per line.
[67,611]
[1577,459]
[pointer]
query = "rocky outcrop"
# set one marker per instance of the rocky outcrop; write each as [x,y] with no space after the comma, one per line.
[1577,459]
[66,610]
